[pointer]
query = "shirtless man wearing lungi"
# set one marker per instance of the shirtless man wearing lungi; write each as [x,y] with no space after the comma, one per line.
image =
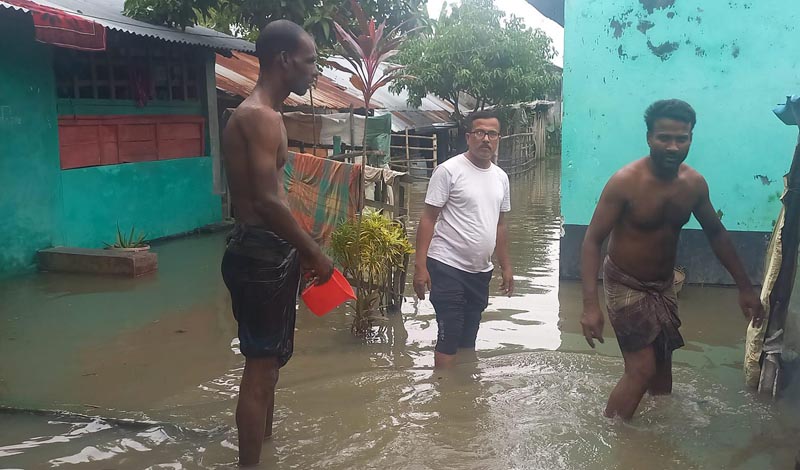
[643,207]
[267,251]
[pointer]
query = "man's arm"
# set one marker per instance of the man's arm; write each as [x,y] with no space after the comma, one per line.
[422,280]
[262,132]
[503,257]
[606,214]
[723,248]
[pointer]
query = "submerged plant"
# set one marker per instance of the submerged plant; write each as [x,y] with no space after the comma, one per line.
[369,251]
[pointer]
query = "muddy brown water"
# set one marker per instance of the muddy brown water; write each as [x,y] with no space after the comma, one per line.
[135,374]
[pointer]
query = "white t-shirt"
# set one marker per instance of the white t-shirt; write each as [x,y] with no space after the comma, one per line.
[471,199]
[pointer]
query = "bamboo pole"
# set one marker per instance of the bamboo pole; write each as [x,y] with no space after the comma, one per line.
[313,120]
[435,156]
[408,153]
[360,294]
[352,130]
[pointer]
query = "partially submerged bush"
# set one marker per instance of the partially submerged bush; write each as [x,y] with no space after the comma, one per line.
[370,259]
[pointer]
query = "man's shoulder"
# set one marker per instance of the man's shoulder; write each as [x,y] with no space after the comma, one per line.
[500,172]
[632,171]
[248,110]
[453,162]
[690,173]
[693,178]
[449,167]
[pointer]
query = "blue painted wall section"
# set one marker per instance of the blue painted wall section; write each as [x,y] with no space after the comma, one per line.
[30,180]
[729,59]
[159,198]
[621,55]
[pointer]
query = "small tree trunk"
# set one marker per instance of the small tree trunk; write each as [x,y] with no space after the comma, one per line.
[360,288]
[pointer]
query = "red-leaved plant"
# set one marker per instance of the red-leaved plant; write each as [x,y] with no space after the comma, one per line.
[366,51]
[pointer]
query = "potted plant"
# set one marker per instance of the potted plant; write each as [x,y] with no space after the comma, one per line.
[131,243]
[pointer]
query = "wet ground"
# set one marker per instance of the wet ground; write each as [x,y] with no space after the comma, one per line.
[144,374]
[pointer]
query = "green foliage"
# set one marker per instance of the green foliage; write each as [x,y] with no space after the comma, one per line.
[174,13]
[369,252]
[132,240]
[244,18]
[473,50]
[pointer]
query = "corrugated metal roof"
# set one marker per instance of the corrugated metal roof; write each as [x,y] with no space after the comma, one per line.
[409,119]
[13,7]
[237,75]
[108,13]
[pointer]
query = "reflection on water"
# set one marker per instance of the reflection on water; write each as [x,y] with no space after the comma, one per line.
[146,374]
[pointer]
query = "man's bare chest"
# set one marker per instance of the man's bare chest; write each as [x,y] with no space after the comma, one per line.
[653,208]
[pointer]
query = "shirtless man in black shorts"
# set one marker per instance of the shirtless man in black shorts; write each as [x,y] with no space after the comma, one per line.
[267,250]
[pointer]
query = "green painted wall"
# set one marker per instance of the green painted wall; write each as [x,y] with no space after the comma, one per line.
[733,61]
[42,206]
[159,198]
[30,183]
[70,107]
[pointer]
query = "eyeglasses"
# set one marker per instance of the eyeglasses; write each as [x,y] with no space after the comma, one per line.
[480,134]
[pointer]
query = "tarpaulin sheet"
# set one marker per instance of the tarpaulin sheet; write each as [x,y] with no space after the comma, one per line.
[59,28]
[302,127]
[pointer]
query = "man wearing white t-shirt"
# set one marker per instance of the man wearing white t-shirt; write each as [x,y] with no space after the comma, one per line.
[462,224]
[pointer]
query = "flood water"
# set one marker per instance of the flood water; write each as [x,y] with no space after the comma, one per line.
[115,374]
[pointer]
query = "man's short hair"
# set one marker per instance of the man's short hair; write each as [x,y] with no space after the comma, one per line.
[482,114]
[276,37]
[670,109]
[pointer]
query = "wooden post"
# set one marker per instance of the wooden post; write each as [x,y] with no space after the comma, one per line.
[408,154]
[435,152]
[313,120]
[212,115]
[352,130]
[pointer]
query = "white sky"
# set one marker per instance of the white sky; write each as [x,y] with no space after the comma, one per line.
[523,9]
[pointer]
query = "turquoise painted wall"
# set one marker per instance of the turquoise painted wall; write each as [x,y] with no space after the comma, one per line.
[42,206]
[732,60]
[159,198]
[30,181]
[69,107]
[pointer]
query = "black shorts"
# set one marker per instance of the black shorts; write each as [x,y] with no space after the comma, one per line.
[459,299]
[262,273]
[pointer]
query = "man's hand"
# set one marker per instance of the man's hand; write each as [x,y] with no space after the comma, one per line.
[422,281]
[507,287]
[319,267]
[592,324]
[751,306]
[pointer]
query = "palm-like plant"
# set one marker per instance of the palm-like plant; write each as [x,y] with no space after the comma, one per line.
[365,51]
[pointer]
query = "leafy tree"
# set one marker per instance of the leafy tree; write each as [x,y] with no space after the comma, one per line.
[175,13]
[245,18]
[473,50]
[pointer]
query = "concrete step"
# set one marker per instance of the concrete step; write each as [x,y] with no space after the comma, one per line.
[96,261]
